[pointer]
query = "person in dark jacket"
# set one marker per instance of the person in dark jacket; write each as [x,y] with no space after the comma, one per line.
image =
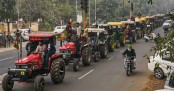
[51,51]
[130,52]
[30,48]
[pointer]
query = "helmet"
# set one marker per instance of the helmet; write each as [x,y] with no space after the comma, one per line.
[130,46]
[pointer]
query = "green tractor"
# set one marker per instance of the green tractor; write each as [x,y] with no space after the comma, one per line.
[110,36]
[118,33]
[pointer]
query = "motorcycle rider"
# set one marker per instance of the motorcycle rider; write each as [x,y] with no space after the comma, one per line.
[130,52]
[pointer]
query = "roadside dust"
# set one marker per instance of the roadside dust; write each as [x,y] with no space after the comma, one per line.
[153,84]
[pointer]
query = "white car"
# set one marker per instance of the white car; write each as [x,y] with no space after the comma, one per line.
[59,29]
[167,23]
[160,65]
[23,34]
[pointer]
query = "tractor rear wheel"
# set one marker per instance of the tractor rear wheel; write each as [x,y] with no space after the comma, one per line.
[103,51]
[39,83]
[7,83]
[57,71]
[86,56]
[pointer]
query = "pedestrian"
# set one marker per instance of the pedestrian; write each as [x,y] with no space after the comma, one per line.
[79,29]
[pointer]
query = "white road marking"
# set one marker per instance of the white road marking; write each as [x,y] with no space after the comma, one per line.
[86,74]
[6,58]
[110,58]
[121,50]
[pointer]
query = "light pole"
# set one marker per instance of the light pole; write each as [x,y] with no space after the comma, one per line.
[89,13]
[131,10]
[76,8]
[95,13]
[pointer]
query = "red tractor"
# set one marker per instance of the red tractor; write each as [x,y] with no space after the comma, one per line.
[74,52]
[31,69]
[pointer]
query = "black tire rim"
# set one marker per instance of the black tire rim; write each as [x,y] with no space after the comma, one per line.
[158,73]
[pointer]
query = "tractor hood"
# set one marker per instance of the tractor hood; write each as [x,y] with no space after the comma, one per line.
[69,45]
[29,59]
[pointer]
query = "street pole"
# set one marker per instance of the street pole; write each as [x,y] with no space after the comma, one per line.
[89,13]
[123,7]
[76,8]
[95,13]
[131,10]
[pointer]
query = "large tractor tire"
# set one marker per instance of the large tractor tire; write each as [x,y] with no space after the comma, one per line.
[76,64]
[39,83]
[123,41]
[86,56]
[134,38]
[117,44]
[103,51]
[96,56]
[57,71]
[111,45]
[130,40]
[7,83]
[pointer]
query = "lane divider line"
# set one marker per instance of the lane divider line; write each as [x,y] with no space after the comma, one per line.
[110,58]
[121,50]
[86,74]
[6,58]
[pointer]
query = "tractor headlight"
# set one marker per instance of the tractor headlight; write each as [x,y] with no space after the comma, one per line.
[72,52]
[35,67]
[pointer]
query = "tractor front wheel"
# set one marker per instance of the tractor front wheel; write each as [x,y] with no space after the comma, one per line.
[103,51]
[7,83]
[57,71]
[86,56]
[76,64]
[39,83]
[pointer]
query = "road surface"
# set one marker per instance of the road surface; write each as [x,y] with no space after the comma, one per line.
[106,75]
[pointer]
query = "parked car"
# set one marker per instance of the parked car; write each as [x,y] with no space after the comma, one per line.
[59,29]
[167,23]
[160,65]
[23,34]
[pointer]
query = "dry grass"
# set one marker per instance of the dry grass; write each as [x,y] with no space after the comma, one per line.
[153,84]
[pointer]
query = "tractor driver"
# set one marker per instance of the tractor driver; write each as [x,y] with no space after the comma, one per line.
[41,49]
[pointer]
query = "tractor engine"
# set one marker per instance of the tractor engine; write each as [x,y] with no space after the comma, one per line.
[26,67]
[68,49]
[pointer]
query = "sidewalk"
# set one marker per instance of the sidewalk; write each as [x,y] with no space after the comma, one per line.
[12,48]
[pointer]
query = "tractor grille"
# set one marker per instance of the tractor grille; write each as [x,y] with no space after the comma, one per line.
[64,51]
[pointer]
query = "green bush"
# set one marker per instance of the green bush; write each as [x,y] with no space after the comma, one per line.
[45,27]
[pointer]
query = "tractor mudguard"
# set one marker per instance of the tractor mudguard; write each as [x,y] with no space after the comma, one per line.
[55,56]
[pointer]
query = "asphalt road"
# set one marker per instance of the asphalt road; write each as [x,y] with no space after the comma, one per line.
[106,75]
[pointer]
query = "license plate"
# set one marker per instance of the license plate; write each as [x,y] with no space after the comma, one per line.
[22,73]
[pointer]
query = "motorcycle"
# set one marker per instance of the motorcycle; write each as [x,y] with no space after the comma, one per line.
[149,37]
[129,65]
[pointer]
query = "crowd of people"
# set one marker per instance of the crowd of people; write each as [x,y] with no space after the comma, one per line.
[5,40]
